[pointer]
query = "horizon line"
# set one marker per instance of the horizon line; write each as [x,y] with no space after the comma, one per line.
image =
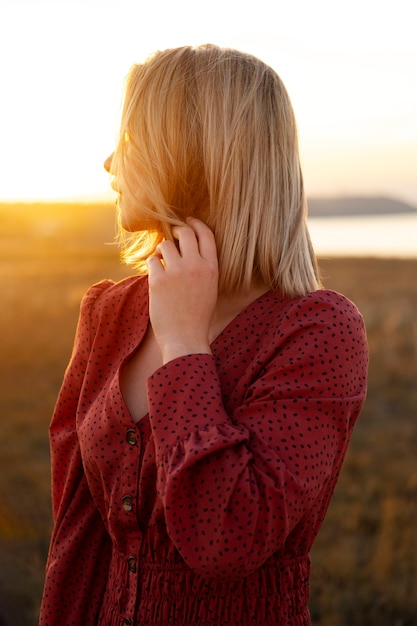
[101,199]
[409,205]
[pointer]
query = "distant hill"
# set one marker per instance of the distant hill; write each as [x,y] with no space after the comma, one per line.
[82,221]
[356,205]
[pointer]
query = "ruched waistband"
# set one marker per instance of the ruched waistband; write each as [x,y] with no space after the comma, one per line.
[173,595]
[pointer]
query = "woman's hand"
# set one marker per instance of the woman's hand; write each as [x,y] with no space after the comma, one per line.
[183,286]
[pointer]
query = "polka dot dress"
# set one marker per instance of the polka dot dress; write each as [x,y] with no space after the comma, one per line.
[204,512]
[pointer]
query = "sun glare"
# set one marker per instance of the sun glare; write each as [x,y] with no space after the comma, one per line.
[65,64]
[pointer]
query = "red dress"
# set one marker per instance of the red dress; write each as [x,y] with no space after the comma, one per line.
[203,513]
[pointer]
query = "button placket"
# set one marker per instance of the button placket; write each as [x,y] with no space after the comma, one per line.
[131,563]
[125,512]
[132,451]
[127,503]
[131,437]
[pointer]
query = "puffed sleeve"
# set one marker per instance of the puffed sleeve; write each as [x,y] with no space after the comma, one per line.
[76,570]
[237,487]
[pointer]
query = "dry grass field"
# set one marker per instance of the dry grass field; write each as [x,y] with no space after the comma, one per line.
[365,558]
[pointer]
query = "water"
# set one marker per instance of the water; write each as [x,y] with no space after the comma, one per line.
[376,235]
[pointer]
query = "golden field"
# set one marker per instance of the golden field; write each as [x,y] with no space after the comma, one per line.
[365,558]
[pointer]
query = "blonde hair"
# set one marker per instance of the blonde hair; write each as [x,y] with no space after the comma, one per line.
[211,132]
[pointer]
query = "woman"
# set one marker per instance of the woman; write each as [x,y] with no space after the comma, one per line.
[209,401]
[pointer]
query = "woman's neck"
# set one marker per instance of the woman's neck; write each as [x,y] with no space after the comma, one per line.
[229,305]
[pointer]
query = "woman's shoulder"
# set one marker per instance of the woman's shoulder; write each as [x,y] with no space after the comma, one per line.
[108,289]
[322,324]
[321,307]
[326,300]
[321,299]
[115,295]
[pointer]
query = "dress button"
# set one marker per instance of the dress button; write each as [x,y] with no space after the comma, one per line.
[127,621]
[131,437]
[127,503]
[131,563]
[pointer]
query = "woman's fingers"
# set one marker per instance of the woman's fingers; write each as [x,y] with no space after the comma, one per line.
[183,286]
[196,249]
[187,241]
[167,250]
[155,267]
[194,239]
[205,239]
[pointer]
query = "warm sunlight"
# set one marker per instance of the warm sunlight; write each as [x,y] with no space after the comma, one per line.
[350,72]
[220,465]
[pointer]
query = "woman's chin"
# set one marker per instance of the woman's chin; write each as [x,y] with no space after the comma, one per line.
[128,226]
[138,226]
[128,222]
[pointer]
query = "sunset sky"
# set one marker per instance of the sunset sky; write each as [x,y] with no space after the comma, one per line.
[350,69]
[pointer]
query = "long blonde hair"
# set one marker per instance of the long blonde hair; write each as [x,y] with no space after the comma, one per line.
[211,132]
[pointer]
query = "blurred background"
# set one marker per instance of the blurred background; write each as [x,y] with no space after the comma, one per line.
[350,72]
[350,69]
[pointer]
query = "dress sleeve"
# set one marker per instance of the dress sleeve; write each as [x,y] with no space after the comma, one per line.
[238,487]
[76,570]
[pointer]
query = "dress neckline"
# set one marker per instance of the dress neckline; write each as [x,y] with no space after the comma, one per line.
[143,424]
